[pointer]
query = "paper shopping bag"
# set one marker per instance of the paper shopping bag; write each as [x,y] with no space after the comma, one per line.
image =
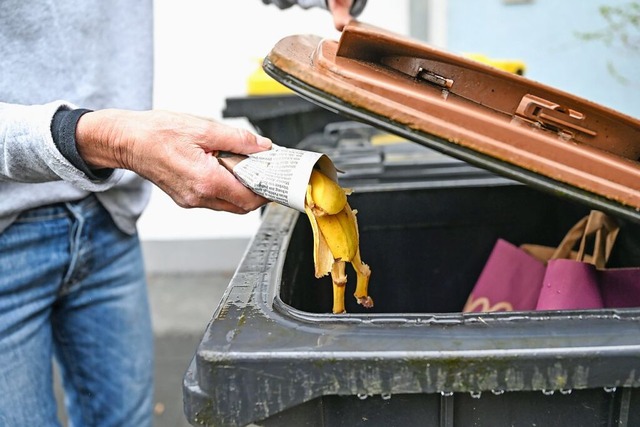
[574,281]
[583,281]
[510,280]
[620,287]
[569,284]
[535,277]
[512,277]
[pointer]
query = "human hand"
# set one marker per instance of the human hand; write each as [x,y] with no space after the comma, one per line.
[340,9]
[177,152]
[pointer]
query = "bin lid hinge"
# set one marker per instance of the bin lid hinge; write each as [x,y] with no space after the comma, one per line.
[552,116]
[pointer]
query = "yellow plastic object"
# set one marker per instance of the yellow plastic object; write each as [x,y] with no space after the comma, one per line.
[386,139]
[260,83]
[510,65]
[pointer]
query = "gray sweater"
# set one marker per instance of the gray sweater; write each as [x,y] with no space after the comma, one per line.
[92,54]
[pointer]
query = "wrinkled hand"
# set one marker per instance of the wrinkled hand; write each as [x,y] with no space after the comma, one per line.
[340,9]
[174,151]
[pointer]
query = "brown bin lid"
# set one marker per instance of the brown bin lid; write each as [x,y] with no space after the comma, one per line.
[519,128]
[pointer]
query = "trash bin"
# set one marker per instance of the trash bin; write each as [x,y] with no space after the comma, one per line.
[284,118]
[273,354]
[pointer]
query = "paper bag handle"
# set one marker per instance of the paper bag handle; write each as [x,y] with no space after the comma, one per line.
[597,224]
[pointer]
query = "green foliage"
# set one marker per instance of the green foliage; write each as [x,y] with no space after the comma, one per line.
[622,31]
[623,26]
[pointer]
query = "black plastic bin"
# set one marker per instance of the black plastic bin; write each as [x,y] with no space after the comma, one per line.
[285,119]
[273,355]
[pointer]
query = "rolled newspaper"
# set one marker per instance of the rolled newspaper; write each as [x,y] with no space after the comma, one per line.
[280,174]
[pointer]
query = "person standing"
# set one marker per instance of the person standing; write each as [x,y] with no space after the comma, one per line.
[80,147]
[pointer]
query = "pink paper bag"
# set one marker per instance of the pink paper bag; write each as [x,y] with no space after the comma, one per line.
[510,280]
[534,277]
[620,287]
[572,280]
[568,285]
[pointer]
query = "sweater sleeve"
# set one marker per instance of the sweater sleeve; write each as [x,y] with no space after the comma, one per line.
[63,130]
[356,8]
[28,152]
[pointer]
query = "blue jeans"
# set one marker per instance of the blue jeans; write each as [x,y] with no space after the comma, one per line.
[72,287]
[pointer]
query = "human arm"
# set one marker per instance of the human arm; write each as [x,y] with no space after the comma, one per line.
[342,10]
[175,151]
[28,153]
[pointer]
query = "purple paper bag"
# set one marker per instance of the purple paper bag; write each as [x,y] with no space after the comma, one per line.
[569,285]
[620,287]
[534,277]
[510,281]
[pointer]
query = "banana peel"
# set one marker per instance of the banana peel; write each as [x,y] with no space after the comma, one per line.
[335,239]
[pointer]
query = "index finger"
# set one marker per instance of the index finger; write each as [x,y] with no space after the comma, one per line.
[220,137]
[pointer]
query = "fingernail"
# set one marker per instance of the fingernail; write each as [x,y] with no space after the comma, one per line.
[263,142]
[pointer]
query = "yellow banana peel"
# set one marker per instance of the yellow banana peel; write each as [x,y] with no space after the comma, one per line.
[327,197]
[342,233]
[335,239]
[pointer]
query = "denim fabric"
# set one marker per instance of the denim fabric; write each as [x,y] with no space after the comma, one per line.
[72,287]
